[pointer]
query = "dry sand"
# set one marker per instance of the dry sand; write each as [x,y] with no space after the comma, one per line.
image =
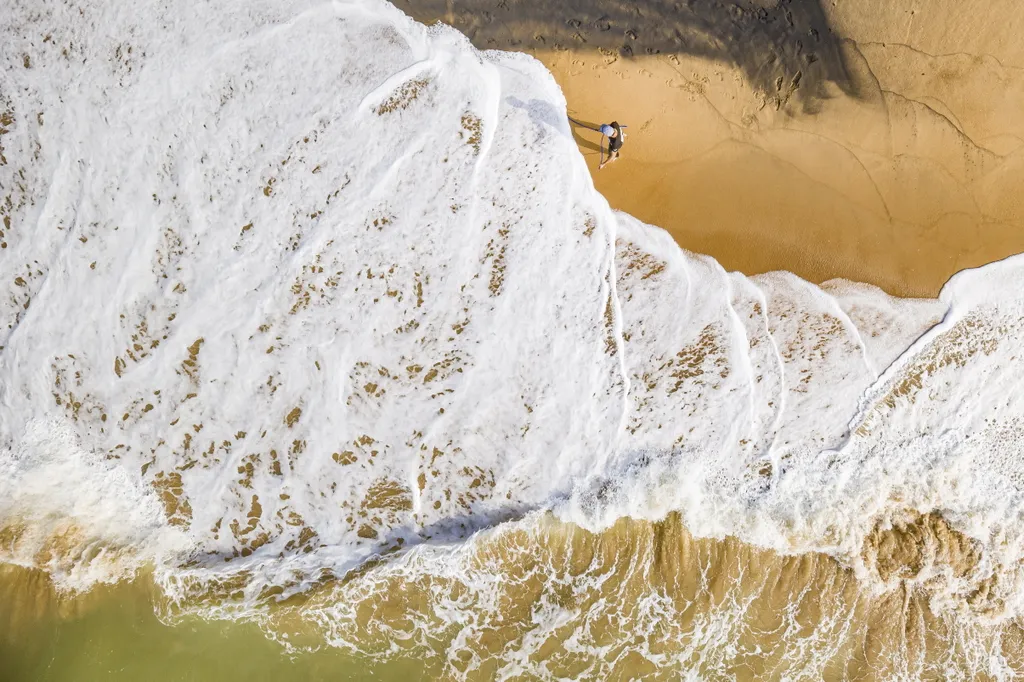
[875,141]
[871,140]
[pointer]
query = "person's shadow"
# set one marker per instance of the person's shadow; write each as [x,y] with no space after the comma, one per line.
[580,128]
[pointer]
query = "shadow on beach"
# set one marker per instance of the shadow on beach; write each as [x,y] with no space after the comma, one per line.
[785,48]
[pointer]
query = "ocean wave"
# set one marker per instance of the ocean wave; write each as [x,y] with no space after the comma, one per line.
[297,291]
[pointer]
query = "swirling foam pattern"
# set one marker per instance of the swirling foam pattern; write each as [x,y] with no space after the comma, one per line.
[308,300]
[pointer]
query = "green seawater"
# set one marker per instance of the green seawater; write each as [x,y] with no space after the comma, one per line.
[112,634]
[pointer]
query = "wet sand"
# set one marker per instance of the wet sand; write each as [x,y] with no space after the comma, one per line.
[851,140]
[894,157]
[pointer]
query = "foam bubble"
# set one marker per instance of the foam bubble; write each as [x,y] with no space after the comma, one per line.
[298,286]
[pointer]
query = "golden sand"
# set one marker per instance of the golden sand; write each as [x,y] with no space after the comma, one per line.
[873,141]
[870,140]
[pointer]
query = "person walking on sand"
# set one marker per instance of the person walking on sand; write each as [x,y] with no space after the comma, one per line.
[615,139]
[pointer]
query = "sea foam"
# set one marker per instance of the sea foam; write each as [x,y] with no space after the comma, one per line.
[303,284]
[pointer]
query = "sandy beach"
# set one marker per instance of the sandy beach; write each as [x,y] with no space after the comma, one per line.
[859,141]
[479,460]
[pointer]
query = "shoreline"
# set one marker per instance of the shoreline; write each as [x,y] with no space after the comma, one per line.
[779,199]
[788,602]
[825,157]
[426,563]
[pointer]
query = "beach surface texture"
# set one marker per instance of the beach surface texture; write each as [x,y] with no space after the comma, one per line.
[327,352]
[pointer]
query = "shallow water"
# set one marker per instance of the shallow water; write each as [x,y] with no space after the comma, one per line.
[429,403]
[113,633]
[637,601]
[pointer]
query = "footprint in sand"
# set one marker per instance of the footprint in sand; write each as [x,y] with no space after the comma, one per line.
[610,57]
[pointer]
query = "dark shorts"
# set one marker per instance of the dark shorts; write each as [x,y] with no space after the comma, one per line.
[614,143]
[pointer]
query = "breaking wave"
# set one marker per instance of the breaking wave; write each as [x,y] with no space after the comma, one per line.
[316,311]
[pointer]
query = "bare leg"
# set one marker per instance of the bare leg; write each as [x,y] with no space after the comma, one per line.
[612,156]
